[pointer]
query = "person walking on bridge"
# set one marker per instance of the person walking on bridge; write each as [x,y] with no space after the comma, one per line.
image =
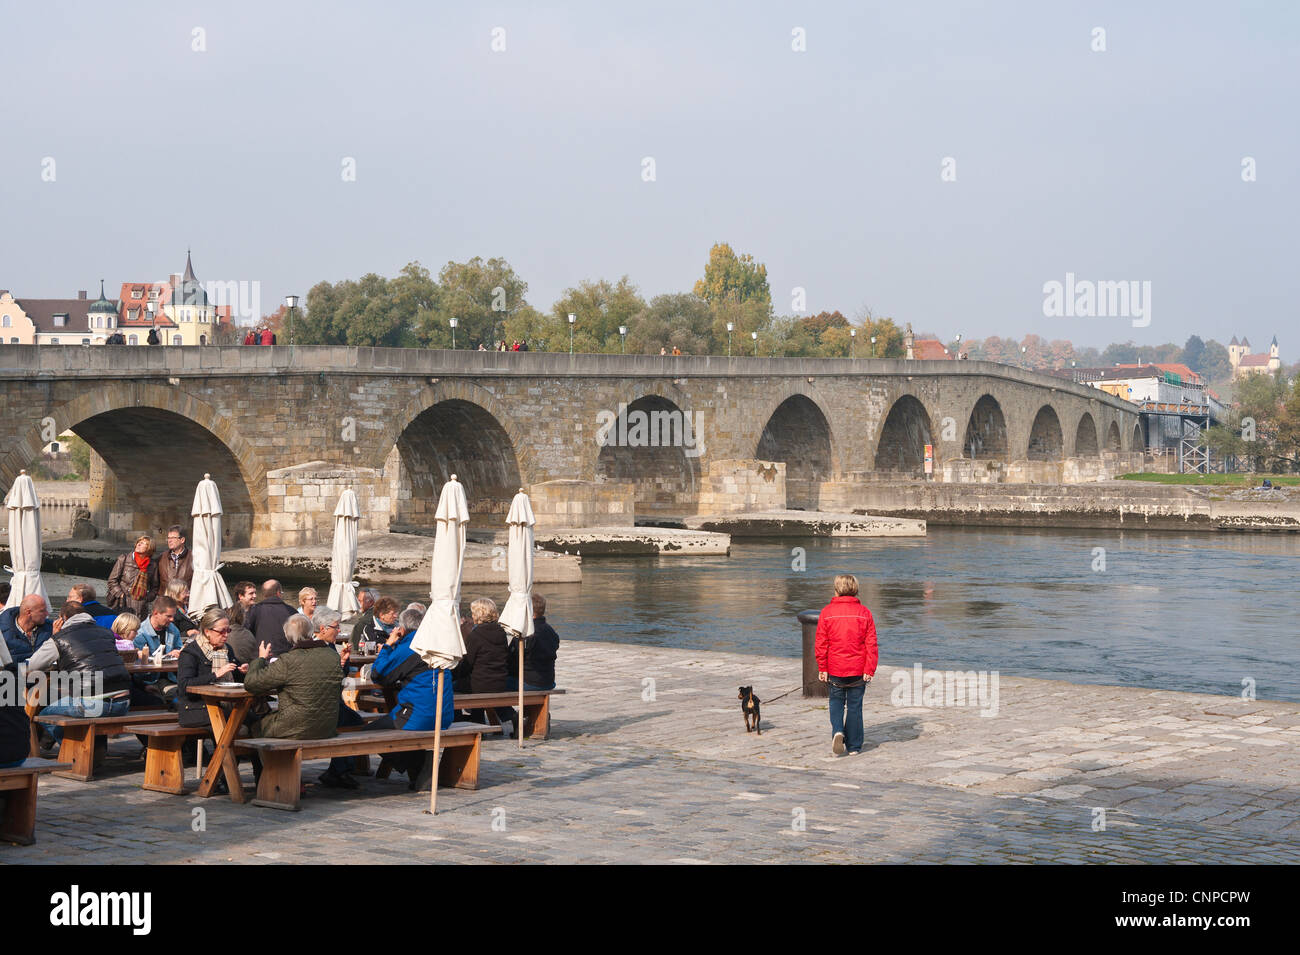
[846,660]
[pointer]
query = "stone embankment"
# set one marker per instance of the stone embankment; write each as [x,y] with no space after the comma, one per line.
[1117,504]
[381,559]
[807,524]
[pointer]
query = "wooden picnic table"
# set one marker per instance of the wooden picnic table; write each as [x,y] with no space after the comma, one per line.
[224,729]
[361,659]
[137,667]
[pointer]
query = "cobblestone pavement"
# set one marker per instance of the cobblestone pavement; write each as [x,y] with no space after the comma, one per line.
[649,762]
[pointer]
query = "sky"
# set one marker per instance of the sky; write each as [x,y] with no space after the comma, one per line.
[133,132]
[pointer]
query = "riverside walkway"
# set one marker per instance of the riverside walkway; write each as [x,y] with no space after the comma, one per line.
[649,762]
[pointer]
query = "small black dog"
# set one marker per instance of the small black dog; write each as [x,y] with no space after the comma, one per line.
[749,706]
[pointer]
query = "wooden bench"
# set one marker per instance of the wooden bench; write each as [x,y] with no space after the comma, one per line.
[80,733]
[281,781]
[164,770]
[537,708]
[18,784]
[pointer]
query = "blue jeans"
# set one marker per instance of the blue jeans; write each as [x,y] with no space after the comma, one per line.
[80,706]
[847,699]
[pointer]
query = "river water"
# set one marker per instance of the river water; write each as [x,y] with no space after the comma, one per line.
[1198,612]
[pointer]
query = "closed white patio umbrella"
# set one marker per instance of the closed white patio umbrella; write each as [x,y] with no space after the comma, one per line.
[438,641]
[343,556]
[24,542]
[207,589]
[517,618]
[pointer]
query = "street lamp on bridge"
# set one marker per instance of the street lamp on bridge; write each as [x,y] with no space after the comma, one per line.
[572,319]
[452,322]
[730,326]
[853,340]
[873,346]
[622,339]
[291,303]
[754,335]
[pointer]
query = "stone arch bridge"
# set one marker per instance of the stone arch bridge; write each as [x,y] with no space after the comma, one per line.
[284,429]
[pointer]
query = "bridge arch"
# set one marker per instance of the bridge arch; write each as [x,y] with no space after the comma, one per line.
[652,444]
[1112,437]
[1138,440]
[157,443]
[903,437]
[798,431]
[453,427]
[1085,437]
[1046,440]
[986,431]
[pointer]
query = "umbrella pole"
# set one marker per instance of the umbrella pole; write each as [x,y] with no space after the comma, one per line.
[519,726]
[437,748]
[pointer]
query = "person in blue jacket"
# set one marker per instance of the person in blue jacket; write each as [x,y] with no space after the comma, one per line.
[397,665]
[26,627]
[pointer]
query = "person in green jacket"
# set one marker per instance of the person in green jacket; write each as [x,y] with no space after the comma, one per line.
[308,679]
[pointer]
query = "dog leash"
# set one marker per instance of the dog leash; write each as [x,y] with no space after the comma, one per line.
[788,692]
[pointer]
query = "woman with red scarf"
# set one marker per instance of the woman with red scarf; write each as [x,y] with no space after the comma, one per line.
[133,582]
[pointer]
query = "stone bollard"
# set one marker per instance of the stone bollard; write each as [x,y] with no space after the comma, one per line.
[811,685]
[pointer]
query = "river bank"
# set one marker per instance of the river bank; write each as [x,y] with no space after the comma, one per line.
[1104,504]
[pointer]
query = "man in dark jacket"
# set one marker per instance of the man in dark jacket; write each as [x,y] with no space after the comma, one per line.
[26,627]
[178,561]
[846,660]
[540,651]
[266,619]
[308,678]
[85,595]
[15,731]
[100,685]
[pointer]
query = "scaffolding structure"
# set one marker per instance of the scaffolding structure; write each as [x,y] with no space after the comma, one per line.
[1193,457]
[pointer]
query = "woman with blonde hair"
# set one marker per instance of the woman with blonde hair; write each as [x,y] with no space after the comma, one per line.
[133,581]
[125,627]
[485,668]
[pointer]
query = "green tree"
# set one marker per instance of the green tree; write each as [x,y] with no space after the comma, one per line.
[483,296]
[678,320]
[1193,353]
[600,308]
[1215,365]
[731,277]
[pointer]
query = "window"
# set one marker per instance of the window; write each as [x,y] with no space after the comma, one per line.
[176,339]
[203,339]
[13,341]
[133,339]
[4,322]
[60,320]
[53,341]
[85,341]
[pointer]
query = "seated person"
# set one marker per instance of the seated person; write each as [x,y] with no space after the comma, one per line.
[85,595]
[540,651]
[485,668]
[383,619]
[265,619]
[366,597]
[15,729]
[241,641]
[82,647]
[179,591]
[196,666]
[307,601]
[308,678]
[124,626]
[26,627]
[400,667]
[158,631]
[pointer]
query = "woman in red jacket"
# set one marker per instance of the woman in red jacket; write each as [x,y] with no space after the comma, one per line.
[846,660]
